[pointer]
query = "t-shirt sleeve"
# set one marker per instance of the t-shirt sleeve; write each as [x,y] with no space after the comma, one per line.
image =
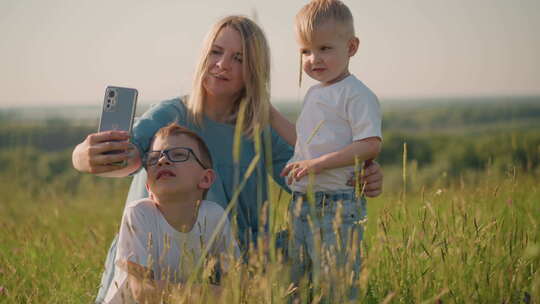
[134,244]
[281,154]
[227,241]
[136,239]
[364,114]
[225,247]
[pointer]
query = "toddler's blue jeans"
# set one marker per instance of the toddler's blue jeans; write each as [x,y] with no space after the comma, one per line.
[327,234]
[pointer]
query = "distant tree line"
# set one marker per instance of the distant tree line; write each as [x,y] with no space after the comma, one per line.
[51,136]
[460,115]
[452,137]
[462,152]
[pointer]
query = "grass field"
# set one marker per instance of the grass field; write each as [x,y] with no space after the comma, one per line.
[456,241]
[438,234]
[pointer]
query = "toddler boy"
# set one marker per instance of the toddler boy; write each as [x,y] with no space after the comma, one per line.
[340,124]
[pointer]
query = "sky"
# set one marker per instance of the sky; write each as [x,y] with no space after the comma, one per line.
[65,52]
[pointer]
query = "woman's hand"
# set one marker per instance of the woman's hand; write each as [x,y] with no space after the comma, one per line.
[89,155]
[372,177]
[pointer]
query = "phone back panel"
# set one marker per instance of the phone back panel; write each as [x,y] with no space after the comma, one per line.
[118,110]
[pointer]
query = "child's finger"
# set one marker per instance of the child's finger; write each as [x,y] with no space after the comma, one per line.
[286,170]
[300,173]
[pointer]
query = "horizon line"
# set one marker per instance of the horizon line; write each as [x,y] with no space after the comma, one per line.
[291,101]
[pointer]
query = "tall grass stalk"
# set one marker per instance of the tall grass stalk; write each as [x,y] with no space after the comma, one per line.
[404,172]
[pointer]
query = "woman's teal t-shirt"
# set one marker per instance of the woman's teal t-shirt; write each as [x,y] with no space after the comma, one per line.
[219,137]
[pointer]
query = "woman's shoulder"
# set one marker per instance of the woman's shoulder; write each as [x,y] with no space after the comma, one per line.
[177,102]
[161,113]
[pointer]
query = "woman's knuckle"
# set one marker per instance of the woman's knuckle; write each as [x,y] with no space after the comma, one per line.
[92,170]
[89,152]
[90,162]
[90,138]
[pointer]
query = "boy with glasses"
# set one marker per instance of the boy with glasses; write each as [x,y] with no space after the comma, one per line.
[163,237]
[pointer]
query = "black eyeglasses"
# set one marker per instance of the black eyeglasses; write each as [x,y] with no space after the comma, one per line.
[175,155]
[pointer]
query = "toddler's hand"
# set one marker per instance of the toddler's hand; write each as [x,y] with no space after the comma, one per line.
[297,170]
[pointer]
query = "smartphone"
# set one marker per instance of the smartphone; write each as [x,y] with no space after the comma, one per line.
[118,112]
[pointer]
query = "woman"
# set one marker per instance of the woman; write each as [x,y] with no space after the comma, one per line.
[232,81]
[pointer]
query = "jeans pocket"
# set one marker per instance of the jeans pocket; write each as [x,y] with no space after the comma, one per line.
[351,212]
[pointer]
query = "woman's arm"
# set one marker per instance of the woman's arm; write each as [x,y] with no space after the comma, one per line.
[89,156]
[283,126]
[281,154]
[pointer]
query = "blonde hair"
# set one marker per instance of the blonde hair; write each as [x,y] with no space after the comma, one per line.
[318,12]
[256,71]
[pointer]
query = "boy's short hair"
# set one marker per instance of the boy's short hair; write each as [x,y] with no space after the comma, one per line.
[317,12]
[175,129]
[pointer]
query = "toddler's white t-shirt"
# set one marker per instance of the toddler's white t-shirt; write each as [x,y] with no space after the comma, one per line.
[332,117]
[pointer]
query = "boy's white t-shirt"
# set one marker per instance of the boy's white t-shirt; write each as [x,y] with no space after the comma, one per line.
[332,117]
[147,239]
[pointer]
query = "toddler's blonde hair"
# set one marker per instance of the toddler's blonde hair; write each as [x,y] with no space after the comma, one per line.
[318,12]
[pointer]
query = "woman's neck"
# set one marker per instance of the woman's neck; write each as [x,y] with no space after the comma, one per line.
[218,108]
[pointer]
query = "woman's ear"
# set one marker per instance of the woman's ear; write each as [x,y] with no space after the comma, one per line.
[207,179]
[353,46]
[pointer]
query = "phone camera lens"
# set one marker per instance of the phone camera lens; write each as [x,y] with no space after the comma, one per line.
[111,94]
